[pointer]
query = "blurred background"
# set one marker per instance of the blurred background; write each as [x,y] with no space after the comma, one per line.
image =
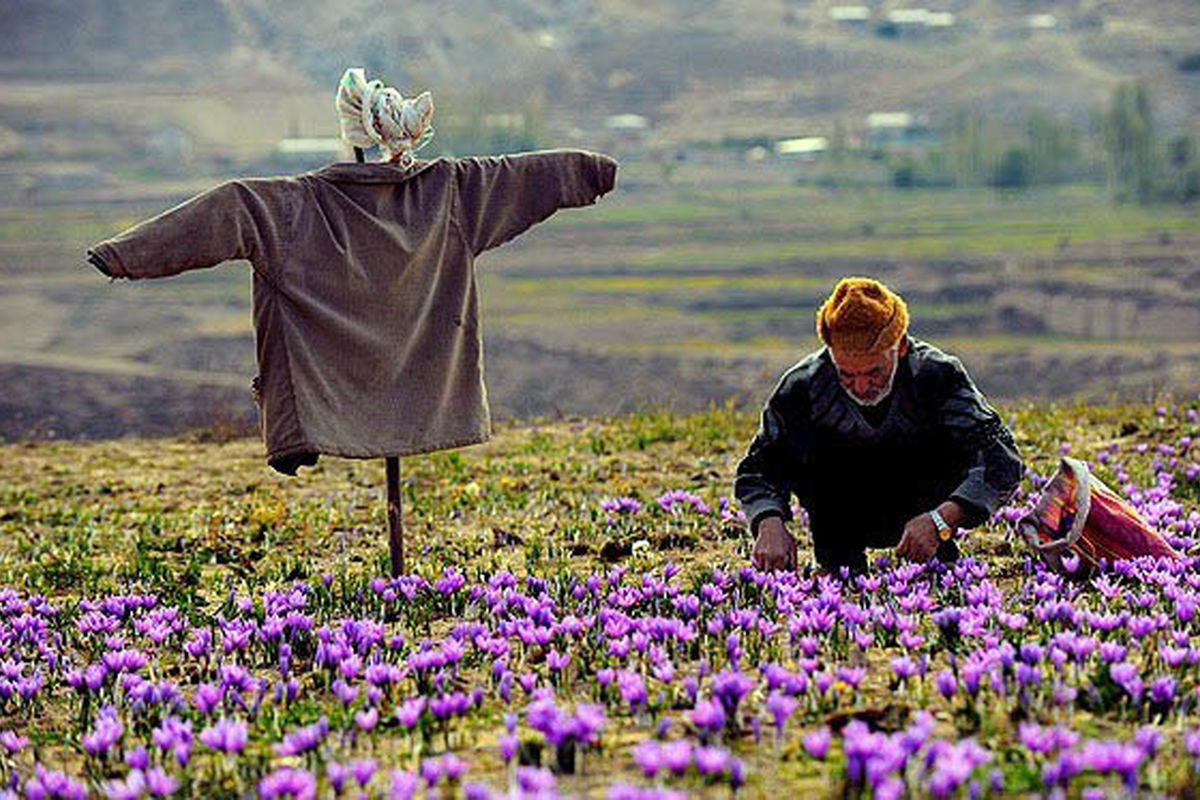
[1025,172]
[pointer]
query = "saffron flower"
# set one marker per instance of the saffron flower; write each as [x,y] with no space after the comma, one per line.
[227,736]
[288,783]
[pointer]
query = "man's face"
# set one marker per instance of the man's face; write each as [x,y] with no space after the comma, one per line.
[867,378]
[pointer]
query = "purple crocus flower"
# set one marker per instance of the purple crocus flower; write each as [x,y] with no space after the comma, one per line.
[131,788]
[404,785]
[453,767]
[338,775]
[730,687]
[817,743]
[476,791]
[588,722]
[227,736]
[649,757]
[410,711]
[536,781]
[708,717]
[138,758]
[12,742]
[509,746]
[851,676]
[288,783]
[304,740]
[160,784]
[363,770]
[431,771]
[677,756]
[632,689]
[207,698]
[53,784]
[1148,738]
[904,667]
[781,707]
[711,761]
[1162,691]
[947,685]
[557,661]
[104,736]
[367,720]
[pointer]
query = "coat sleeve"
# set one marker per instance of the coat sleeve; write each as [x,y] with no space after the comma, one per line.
[994,465]
[237,220]
[499,197]
[770,471]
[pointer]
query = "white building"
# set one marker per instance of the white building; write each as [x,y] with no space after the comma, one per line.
[914,18]
[910,17]
[802,147]
[849,14]
[889,120]
[627,123]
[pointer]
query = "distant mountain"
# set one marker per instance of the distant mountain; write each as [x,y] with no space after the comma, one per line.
[704,67]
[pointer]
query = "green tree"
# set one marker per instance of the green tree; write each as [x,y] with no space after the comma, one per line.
[973,147]
[1129,142]
[1185,168]
[1014,170]
[1053,147]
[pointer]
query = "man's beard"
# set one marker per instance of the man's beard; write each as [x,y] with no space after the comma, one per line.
[882,394]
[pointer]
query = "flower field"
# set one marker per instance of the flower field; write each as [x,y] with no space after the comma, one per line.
[580,621]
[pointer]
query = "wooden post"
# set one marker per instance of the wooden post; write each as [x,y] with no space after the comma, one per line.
[395,516]
[395,507]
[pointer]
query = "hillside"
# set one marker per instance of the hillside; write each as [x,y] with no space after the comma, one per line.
[697,70]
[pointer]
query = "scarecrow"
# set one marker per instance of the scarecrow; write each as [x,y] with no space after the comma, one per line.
[366,311]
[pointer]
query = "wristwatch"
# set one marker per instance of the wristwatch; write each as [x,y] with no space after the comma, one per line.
[944,530]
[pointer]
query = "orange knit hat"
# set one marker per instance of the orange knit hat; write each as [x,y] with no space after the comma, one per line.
[862,316]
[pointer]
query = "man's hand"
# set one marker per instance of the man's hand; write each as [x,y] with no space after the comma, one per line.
[920,541]
[775,548]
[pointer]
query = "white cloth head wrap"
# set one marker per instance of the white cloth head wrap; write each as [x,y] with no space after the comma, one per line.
[373,114]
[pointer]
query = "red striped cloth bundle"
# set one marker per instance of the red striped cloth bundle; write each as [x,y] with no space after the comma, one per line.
[1078,515]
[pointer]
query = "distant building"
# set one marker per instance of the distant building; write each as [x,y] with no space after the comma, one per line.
[913,19]
[850,14]
[1041,22]
[805,147]
[889,120]
[627,123]
[894,128]
[908,17]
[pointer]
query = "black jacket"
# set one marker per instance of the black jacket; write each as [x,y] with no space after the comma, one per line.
[938,439]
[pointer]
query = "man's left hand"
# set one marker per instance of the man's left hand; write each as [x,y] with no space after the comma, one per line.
[920,541]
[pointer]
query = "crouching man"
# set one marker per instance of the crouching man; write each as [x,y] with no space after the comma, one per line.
[883,439]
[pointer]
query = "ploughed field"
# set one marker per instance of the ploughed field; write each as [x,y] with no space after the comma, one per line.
[669,294]
[578,620]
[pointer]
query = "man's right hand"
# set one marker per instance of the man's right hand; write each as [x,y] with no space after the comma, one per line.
[775,548]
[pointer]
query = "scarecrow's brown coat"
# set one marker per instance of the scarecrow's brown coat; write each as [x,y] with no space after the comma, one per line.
[365,305]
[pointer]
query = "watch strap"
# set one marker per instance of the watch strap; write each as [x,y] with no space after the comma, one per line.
[943,528]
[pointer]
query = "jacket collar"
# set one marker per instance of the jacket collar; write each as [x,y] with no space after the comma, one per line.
[374,172]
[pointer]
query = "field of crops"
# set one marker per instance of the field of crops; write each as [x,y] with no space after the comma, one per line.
[667,294]
[579,620]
